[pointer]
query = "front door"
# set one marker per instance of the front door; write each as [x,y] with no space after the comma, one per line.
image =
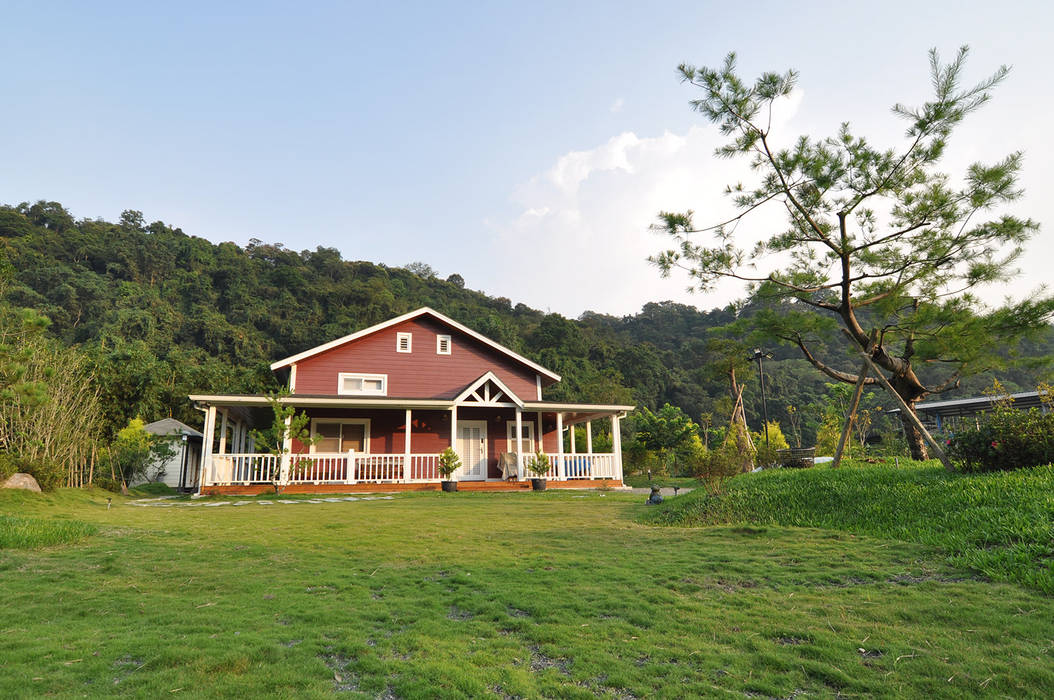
[472,447]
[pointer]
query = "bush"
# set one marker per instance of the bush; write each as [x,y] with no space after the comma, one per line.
[50,476]
[767,455]
[8,466]
[688,460]
[827,435]
[538,464]
[1006,439]
[724,461]
[449,462]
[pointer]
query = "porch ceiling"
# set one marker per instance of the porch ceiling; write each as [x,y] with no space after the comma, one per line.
[580,412]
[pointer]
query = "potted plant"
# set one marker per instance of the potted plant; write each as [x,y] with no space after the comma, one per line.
[538,464]
[449,463]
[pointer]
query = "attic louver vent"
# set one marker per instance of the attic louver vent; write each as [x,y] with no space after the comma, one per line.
[404,342]
[442,344]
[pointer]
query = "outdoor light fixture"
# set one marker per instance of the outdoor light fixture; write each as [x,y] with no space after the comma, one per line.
[758,355]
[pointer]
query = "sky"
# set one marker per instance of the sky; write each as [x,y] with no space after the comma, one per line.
[525,146]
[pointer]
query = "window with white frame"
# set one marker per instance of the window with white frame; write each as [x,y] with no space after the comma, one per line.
[442,344]
[352,384]
[527,433]
[404,342]
[333,435]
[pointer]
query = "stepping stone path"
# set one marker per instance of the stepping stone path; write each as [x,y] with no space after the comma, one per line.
[163,502]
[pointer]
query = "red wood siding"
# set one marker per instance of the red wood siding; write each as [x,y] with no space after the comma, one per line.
[421,373]
[430,430]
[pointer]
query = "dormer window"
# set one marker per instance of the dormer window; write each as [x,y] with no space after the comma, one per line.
[349,384]
[404,342]
[442,344]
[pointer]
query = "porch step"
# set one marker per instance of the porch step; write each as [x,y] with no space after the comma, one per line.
[493,486]
[247,490]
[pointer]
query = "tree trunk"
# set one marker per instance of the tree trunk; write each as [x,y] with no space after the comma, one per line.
[910,389]
[916,442]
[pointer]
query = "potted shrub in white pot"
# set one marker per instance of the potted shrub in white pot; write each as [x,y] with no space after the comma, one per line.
[538,465]
[449,463]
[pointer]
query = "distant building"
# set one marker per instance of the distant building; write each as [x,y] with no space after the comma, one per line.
[949,416]
[181,470]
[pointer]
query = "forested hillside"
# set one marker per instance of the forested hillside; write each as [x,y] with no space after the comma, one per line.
[160,314]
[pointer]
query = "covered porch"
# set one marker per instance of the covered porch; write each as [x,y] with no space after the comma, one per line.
[387,444]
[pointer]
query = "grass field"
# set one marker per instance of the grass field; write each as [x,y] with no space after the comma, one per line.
[1000,524]
[514,595]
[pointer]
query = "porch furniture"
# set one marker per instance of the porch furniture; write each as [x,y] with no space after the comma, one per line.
[509,466]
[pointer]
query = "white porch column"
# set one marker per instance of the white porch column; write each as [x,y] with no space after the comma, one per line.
[616,444]
[589,437]
[223,434]
[453,433]
[571,429]
[540,442]
[560,446]
[453,428]
[519,442]
[287,447]
[205,472]
[406,447]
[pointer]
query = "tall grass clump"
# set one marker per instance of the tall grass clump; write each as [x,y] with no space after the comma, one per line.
[30,533]
[999,524]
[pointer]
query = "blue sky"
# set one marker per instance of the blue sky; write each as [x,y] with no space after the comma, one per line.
[525,146]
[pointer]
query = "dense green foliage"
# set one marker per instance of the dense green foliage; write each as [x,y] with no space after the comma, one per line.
[564,595]
[136,455]
[1001,525]
[161,314]
[1004,439]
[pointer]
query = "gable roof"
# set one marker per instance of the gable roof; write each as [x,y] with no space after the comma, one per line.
[446,320]
[170,426]
[488,377]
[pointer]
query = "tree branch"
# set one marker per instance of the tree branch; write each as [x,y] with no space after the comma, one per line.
[829,371]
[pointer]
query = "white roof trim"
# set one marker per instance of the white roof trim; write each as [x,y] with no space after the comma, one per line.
[488,376]
[406,317]
[385,402]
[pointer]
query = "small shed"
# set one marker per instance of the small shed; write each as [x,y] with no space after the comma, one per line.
[181,470]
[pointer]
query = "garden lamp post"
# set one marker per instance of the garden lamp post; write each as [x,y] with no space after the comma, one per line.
[758,355]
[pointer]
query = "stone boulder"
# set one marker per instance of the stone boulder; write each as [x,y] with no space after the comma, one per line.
[21,481]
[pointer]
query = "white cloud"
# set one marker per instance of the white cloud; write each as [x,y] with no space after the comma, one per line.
[581,239]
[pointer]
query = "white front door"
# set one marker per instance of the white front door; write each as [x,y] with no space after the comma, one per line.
[472,447]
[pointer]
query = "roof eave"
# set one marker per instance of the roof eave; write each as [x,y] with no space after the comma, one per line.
[292,359]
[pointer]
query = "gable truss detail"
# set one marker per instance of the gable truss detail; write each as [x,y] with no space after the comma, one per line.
[488,390]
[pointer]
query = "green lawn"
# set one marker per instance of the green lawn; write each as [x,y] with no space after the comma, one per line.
[557,594]
[1000,524]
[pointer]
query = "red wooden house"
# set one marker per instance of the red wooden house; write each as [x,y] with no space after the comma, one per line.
[385,401]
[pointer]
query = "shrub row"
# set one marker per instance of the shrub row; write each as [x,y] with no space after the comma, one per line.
[1006,439]
[49,476]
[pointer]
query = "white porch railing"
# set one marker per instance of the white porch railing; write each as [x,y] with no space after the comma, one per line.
[352,468]
[322,468]
[243,468]
[583,466]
